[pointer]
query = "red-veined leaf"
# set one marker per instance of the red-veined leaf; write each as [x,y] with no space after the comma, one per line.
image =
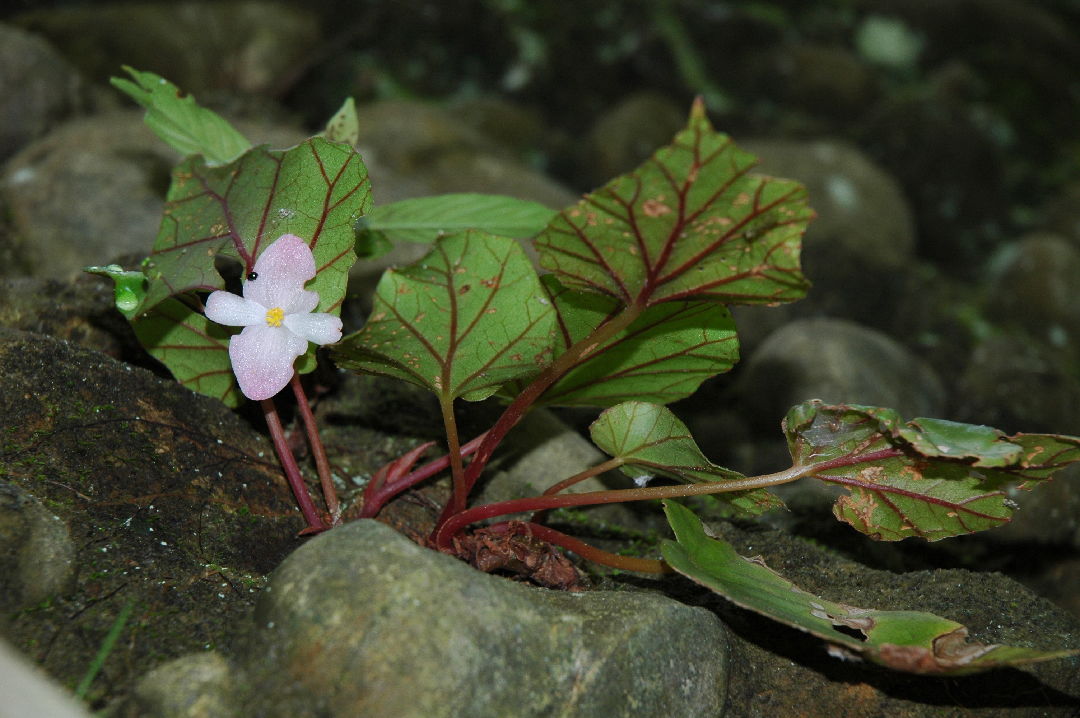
[691,223]
[663,356]
[195,349]
[462,321]
[929,477]
[315,190]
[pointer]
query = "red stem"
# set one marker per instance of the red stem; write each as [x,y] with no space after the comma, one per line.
[322,465]
[538,517]
[513,413]
[596,555]
[292,471]
[582,475]
[445,534]
[377,494]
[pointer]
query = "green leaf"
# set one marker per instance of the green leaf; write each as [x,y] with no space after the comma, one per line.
[690,223]
[929,478]
[1044,455]
[180,122]
[315,190]
[129,287]
[663,356]
[194,349]
[344,126]
[652,441]
[467,318]
[983,445]
[910,641]
[423,219]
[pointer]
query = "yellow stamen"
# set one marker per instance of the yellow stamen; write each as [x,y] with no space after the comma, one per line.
[275,316]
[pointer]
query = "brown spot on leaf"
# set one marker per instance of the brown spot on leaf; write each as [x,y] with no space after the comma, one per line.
[655,208]
[949,652]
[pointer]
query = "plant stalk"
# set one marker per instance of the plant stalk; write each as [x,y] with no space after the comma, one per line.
[377,493]
[292,471]
[446,532]
[318,451]
[538,516]
[459,491]
[513,413]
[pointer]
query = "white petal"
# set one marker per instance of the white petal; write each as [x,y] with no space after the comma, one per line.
[302,303]
[320,328]
[281,271]
[262,359]
[233,310]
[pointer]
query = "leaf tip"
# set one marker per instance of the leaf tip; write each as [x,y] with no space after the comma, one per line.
[698,113]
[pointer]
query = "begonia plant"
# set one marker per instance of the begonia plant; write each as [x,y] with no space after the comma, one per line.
[627,313]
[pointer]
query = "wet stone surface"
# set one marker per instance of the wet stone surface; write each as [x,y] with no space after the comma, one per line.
[173,504]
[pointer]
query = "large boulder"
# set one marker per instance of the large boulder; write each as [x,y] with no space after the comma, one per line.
[363,622]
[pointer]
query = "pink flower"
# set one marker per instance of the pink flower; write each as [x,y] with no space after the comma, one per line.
[275,312]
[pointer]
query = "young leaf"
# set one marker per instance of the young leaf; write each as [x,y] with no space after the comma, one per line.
[910,641]
[652,441]
[180,122]
[690,223]
[194,349]
[129,287]
[423,219]
[663,356]
[464,320]
[315,190]
[928,478]
[344,126]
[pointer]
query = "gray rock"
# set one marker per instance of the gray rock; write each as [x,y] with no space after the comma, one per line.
[361,621]
[836,361]
[174,503]
[858,249]
[37,557]
[86,193]
[240,46]
[1018,384]
[628,133]
[1033,285]
[513,126]
[93,190]
[82,311]
[938,141]
[38,88]
[414,149]
[198,685]
[825,80]
[861,211]
[1048,514]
